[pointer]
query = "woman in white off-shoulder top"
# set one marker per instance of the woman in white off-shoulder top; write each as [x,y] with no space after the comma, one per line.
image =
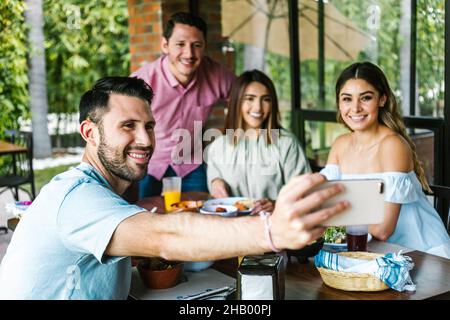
[378,146]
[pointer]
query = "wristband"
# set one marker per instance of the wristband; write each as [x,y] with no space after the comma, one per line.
[265,216]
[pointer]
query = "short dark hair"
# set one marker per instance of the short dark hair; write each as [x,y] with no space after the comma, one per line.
[185,18]
[96,99]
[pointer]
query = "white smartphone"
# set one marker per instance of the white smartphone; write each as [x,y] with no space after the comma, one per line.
[366,199]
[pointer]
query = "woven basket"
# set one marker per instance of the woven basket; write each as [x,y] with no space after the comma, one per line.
[352,281]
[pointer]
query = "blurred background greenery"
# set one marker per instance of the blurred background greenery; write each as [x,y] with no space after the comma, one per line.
[77,52]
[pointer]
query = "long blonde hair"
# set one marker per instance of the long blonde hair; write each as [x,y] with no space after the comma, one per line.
[389,115]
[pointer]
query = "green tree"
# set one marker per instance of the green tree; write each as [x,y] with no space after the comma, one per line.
[430,51]
[13,65]
[430,56]
[84,42]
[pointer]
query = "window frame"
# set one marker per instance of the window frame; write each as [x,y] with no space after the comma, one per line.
[439,126]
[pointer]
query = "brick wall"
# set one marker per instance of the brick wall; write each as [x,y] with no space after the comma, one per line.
[144,28]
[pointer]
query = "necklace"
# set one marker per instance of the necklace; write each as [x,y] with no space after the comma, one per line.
[364,149]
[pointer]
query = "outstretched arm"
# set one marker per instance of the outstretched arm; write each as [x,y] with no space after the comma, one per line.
[196,237]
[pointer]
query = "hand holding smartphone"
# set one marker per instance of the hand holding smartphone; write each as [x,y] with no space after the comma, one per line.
[366,199]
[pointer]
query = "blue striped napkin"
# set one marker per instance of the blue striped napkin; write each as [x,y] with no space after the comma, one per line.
[393,268]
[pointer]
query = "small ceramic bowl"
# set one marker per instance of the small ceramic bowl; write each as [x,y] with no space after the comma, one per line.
[160,279]
[220,209]
[196,266]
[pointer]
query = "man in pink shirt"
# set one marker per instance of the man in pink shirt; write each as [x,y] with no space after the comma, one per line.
[186,84]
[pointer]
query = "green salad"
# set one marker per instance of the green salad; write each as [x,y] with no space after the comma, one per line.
[335,235]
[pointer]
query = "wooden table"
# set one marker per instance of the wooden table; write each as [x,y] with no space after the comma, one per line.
[431,273]
[10,148]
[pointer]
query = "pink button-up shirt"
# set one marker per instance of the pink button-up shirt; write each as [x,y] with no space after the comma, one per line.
[175,107]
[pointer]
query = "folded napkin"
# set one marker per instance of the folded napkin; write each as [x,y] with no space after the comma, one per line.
[393,268]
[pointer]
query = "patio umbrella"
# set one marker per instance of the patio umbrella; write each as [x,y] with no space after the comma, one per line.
[264,24]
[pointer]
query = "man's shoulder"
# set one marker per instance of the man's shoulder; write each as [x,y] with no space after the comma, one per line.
[76,176]
[147,69]
[209,65]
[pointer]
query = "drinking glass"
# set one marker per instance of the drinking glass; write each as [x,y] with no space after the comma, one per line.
[171,188]
[357,237]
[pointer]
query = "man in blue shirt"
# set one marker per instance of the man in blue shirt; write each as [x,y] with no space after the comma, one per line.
[75,240]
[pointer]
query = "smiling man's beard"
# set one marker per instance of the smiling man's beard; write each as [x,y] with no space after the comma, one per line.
[115,162]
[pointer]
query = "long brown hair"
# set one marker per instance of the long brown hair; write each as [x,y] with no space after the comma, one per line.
[389,114]
[234,116]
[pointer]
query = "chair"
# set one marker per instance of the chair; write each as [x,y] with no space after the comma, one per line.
[441,201]
[17,168]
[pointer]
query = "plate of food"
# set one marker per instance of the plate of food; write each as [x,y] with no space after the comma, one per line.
[336,239]
[244,205]
[188,205]
[221,210]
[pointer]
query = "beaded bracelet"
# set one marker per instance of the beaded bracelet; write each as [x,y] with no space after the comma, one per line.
[265,216]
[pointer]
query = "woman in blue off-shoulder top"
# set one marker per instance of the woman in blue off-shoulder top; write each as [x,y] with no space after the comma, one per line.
[378,146]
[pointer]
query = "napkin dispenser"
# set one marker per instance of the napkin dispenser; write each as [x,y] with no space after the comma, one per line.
[261,278]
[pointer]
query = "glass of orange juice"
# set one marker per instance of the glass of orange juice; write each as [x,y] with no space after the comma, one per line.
[171,188]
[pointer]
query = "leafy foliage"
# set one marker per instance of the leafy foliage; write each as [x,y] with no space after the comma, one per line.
[85,40]
[13,65]
[429,59]
[430,56]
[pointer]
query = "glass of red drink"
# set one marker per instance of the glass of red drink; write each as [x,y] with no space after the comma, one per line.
[357,237]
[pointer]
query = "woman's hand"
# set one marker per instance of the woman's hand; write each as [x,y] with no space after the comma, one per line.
[219,189]
[263,204]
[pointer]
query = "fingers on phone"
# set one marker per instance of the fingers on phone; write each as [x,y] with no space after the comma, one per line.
[313,201]
[327,213]
[315,219]
[301,185]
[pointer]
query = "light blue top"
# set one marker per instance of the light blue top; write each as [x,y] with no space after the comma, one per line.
[58,248]
[419,226]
